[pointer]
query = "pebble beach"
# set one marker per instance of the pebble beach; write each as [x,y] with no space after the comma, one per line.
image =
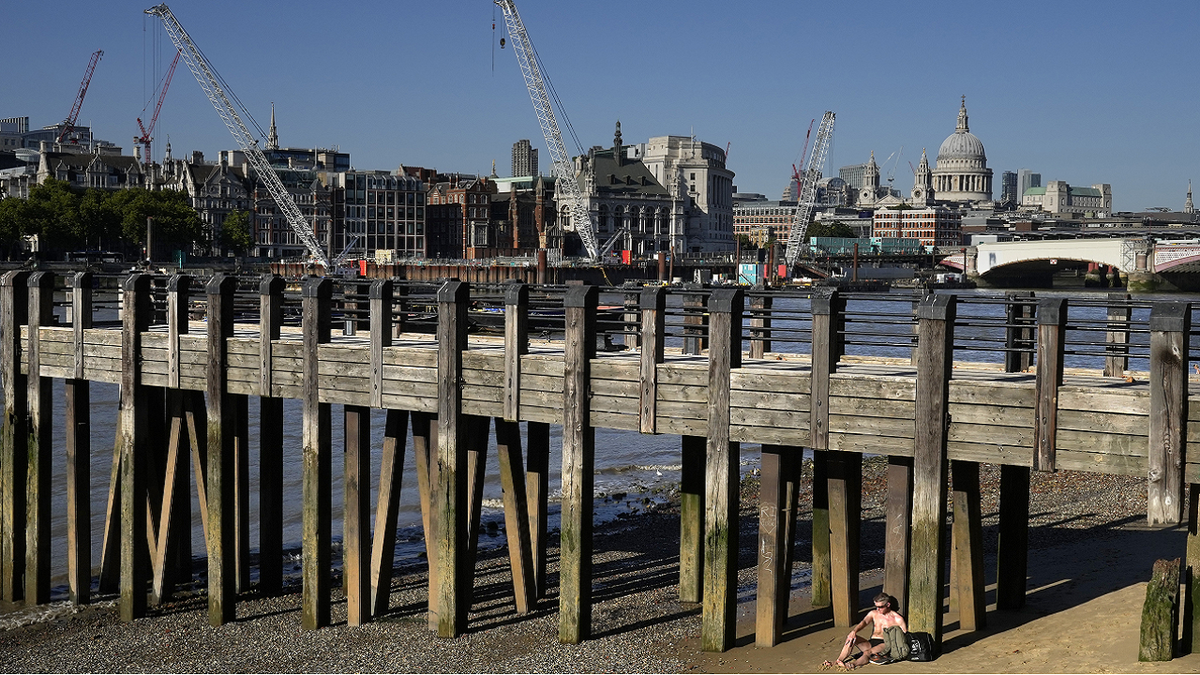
[638,623]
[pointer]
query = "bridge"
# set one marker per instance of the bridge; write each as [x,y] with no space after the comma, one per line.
[1144,262]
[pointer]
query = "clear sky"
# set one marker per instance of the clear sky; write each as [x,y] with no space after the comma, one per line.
[1086,92]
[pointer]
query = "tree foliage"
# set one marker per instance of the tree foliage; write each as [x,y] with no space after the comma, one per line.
[834,228]
[235,232]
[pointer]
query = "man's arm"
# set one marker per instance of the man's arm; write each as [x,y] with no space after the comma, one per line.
[902,623]
[869,618]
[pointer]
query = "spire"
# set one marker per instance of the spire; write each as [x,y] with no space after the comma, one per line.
[617,145]
[1188,207]
[924,165]
[962,117]
[272,137]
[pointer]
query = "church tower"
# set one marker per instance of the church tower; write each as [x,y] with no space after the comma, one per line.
[922,192]
[272,137]
[870,189]
[1187,205]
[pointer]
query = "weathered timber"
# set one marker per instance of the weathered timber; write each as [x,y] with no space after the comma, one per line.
[381,334]
[691,519]
[134,423]
[1012,547]
[578,467]
[516,514]
[1019,335]
[448,506]
[241,490]
[387,509]
[773,573]
[1116,344]
[719,616]
[424,433]
[356,516]
[822,583]
[77,400]
[845,525]
[1170,326]
[898,538]
[694,320]
[1052,328]
[40,399]
[653,305]
[270,441]
[317,459]
[825,304]
[1191,575]
[14,438]
[516,344]
[221,465]
[967,545]
[760,325]
[934,364]
[537,493]
[1160,613]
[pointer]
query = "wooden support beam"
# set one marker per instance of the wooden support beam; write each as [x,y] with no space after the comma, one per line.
[898,522]
[760,325]
[827,305]
[40,399]
[1191,575]
[1160,613]
[773,573]
[967,538]
[1170,328]
[654,305]
[822,572]
[719,618]
[516,514]
[77,399]
[241,497]
[537,495]
[578,467]
[387,510]
[793,468]
[1019,314]
[694,321]
[134,422]
[270,441]
[356,514]
[516,344]
[424,433]
[1052,328]
[477,450]
[221,459]
[935,347]
[317,452]
[449,486]
[845,527]
[691,519]
[14,437]
[1012,549]
[1117,338]
[381,335]
[172,550]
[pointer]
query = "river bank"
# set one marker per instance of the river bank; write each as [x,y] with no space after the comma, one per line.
[1090,556]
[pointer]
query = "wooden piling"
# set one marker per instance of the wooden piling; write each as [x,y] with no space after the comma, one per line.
[221,465]
[1012,559]
[773,573]
[424,433]
[967,537]
[14,437]
[381,334]
[694,321]
[1191,575]
[270,441]
[516,345]
[134,421]
[935,347]
[356,514]
[845,526]
[317,453]
[1052,328]
[1117,338]
[387,509]
[40,399]
[691,519]
[898,521]
[241,493]
[578,458]
[653,304]
[173,552]
[826,306]
[1019,335]
[78,404]
[760,325]
[449,488]
[719,618]
[537,492]
[516,515]
[1170,328]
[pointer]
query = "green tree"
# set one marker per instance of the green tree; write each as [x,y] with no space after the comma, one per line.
[176,224]
[12,224]
[834,228]
[235,232]
[52,213]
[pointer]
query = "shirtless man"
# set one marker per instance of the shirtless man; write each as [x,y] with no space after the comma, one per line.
[881,617]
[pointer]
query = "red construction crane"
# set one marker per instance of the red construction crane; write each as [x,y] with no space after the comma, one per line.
[145,138]
[69,124]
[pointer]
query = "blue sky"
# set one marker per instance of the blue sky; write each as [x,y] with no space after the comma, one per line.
[1086,92]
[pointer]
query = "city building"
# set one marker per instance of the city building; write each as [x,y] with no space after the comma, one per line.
[871,193]
[933,225]
[684,163]
[961,175]
[1026,179]
[762,220]
[1188,207]
[854,175]
[378,215]
[214,191]
[922,192]
[1060,198]
[1008,188]
[458,217]
[524,159]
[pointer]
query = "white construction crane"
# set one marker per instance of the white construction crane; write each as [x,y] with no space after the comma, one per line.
[808,191]
[566,185]
[220,94]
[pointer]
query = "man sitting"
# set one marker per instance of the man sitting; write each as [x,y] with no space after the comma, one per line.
[880,618]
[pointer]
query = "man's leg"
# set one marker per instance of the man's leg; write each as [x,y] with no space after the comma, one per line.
[851,643]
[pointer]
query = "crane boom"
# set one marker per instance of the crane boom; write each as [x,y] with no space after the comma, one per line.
[145,138]
[217,94]
[69,125]
[564,172]
[808,191]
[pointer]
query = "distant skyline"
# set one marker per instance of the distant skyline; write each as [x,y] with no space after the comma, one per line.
[1086,92]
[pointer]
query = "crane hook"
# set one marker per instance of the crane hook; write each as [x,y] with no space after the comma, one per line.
[501,43]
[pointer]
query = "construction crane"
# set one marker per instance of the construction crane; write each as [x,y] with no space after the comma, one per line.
[219,94]
[145,138]
[808,190]
[566,183]
[69,124]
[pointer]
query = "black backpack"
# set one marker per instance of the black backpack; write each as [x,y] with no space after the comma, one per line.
[920,647]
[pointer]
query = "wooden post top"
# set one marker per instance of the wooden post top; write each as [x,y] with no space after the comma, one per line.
[581,296]
[271,284]
[221,284]
[654,298]
[1171,317]
[41,280]
[137,282]
[937,307]
[454,291]
[317,287]
[726,300]
[516,294]
[1052,312]
[381,289]
[823,300]
[179,283]
[14,278]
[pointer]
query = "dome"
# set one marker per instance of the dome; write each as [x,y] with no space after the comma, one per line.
[962,145]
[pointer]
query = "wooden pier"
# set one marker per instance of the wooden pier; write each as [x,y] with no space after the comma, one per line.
[700,367]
